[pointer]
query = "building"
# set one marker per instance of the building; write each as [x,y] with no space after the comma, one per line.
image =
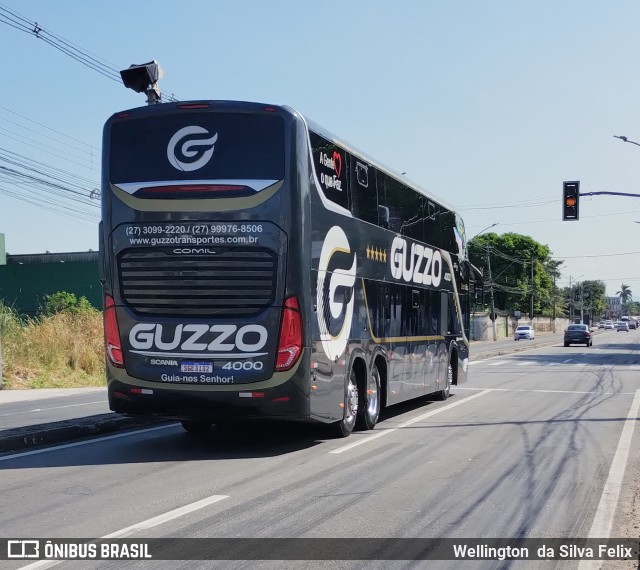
[614,307]
[26,280]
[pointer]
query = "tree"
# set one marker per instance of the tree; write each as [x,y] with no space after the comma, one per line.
[625,294]
[512,256]
[593,299]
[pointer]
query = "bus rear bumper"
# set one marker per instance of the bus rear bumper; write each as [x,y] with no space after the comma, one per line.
[284,402]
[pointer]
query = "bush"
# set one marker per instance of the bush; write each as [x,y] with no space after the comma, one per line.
[62,349]
[64,302]
[10,320]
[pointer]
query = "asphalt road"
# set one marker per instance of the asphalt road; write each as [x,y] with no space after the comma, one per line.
[22,408]
[527,448]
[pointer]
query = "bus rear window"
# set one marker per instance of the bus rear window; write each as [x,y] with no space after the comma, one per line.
[197,146]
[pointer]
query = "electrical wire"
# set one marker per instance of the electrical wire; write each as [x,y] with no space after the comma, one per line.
[21,23]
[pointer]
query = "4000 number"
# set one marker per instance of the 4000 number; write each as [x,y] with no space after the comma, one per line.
[243,365]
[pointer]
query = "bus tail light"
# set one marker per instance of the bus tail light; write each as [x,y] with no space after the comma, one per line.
[290,343]
[111,333]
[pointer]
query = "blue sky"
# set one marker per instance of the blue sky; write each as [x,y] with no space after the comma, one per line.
[489,105]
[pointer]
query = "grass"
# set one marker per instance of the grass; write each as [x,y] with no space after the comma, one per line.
[63,350]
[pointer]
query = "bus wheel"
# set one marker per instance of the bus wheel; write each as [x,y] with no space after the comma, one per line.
[446,391]
[369,405]
[196,426]
[345,426]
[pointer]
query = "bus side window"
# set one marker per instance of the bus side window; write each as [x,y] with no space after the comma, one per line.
[447,234]
[434,312]
[330,161]
[390,196]
[413,214]
[362,185]
[432,223]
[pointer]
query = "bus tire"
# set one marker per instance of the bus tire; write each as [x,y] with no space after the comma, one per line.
[369,404]
[345,426]
[196,426]
[446,391]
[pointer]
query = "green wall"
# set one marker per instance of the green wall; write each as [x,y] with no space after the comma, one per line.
[24,286]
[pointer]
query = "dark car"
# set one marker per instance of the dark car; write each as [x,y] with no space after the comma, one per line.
[578,334]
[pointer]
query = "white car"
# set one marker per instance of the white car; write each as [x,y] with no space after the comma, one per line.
[524,332]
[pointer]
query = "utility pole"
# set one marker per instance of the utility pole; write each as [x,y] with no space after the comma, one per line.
[553,296]
[492,308]
[571,298]
[532,291]
[582,302]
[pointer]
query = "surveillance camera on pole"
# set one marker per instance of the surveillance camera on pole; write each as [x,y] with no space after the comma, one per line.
[144,78]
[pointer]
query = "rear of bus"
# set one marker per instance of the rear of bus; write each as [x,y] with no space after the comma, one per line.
[200,248]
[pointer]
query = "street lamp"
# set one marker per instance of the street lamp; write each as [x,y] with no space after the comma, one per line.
[571,296]
[625,139]
[485,229]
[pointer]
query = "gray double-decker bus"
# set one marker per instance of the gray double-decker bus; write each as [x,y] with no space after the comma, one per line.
[254,265]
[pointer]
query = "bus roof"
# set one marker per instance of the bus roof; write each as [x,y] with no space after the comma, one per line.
[380,166]
[252,105]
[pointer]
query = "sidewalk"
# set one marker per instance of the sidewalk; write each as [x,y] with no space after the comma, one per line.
[10,396]
[15,437]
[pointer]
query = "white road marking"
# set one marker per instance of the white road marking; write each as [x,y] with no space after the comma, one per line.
[527,363]
[87,442]
[497,363]
[550,391]
[603,519]
[144,525]
[166,517]
[54,408]
[381,433]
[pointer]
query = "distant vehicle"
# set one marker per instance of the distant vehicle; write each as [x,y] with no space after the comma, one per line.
[601,325]
[578,334]
[524,332]
[633,324]
[608,325]
[625,318]
[622,326]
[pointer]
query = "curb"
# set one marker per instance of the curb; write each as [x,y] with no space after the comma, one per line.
[57,432]
[503,351]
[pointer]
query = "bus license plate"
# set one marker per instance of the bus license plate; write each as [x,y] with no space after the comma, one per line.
[196,367]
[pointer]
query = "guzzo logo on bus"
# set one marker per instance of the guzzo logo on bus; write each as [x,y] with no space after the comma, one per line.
[416,263]
[184,145]
[328,283]
[249,339]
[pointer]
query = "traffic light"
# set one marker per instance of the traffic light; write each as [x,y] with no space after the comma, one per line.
[570,200]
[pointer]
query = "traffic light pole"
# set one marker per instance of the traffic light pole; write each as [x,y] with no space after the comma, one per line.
[609,194]
[571,194]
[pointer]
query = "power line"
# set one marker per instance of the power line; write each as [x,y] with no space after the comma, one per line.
[21,23]
[512,205]
[43,146]
[598,255]
[46,127]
